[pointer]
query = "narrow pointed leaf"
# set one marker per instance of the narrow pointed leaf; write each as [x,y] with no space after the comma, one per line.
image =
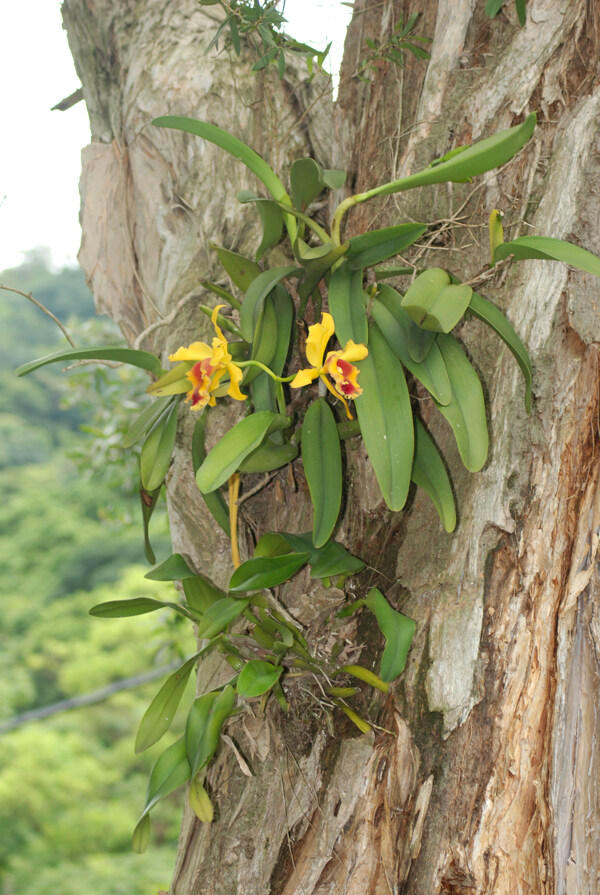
[396,327]
[363,674]
[174,568]
[473,160]
[203,728]
[157,449]
[347,303]
[322,459]
[493,316]
[171,770]
[261,572]
[316,267]
[242,271]
[271,544]
[333,559]
[215,502]
[175,382]
[134,606]
[148,500]
[239,150]
[306,181]
[257,677]
[429,473]
[145,420]
[466,410]
[218,616]
[141,835]
[161,711]
[386,420]
[225,458]
[549,249]
[256,294]
[200,593]
[377,245]
[131,356]
[269,456]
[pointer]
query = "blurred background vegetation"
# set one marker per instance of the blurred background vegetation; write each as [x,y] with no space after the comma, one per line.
[71,788]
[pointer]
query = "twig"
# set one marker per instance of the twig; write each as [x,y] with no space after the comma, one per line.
[42,308]
[262,484]
[165,321]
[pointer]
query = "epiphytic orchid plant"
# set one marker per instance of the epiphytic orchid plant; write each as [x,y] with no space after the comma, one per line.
[383,334]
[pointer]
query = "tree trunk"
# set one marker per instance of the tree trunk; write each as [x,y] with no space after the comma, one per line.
[482,776]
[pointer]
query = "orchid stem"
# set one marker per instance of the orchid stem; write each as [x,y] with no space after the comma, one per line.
[265,369]
[234,490]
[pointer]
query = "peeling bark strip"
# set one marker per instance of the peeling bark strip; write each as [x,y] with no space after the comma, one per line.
[487,781]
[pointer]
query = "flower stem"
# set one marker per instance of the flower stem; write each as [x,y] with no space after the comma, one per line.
[234,490]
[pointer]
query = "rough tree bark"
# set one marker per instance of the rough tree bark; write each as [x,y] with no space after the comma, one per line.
[489,783]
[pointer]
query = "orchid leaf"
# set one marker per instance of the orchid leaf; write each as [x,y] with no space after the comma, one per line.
[398,631]
[386,420]
[429,473]
[174,568]
[218,616]
[377,245]
[227,455]
[214,500]
[145,420]
[466,411]
[347,303]
[134,606]
[493,316]
[322,459]
[261,572]
[434,303]
[201,593]
[171,770]
[200,801]
[203,727]
[157,449]
[549,249]
[242,271]
[161,711]
[131,356]
[256,294]
[257,677]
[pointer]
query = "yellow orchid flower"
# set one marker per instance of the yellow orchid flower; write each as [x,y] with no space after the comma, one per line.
[211,364]
[338,364]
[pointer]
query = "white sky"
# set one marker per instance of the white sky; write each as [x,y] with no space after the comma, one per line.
[40,149]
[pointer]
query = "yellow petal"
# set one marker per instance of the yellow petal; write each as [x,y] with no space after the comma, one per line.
[235,375]
[196,351]
[303,377]
[353,352]
[337,395]
[217,328]
[319,335]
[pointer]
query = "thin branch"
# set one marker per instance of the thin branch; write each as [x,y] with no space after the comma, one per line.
[42,308]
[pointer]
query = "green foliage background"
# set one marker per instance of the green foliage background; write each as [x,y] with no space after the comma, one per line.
[71,787]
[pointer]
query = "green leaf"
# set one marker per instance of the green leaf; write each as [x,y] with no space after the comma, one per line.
[333,178]
[239,150]
[141,835]
[493,7]
[171,770]
[398,631]
[204,723]
[201,593]
[256,677]
[256,294]
[215,502]
[385,418]
[235,36]
[174,568]
[271,218]
[271,544]
[161,711]
[549,249]
[134,358]
[429,473]
[433,303]
[242,271]
[306,181]
[322,459]
[218,616]
[396,326]
[371,248]
[134,606]
[227,455]
[466,410]
[261,572]
[521,11]
[347,303]
[269,456]
[316,264]
[175,382]
[157,449]
[475,159]
[333,559]
[145,420]
[495,319]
